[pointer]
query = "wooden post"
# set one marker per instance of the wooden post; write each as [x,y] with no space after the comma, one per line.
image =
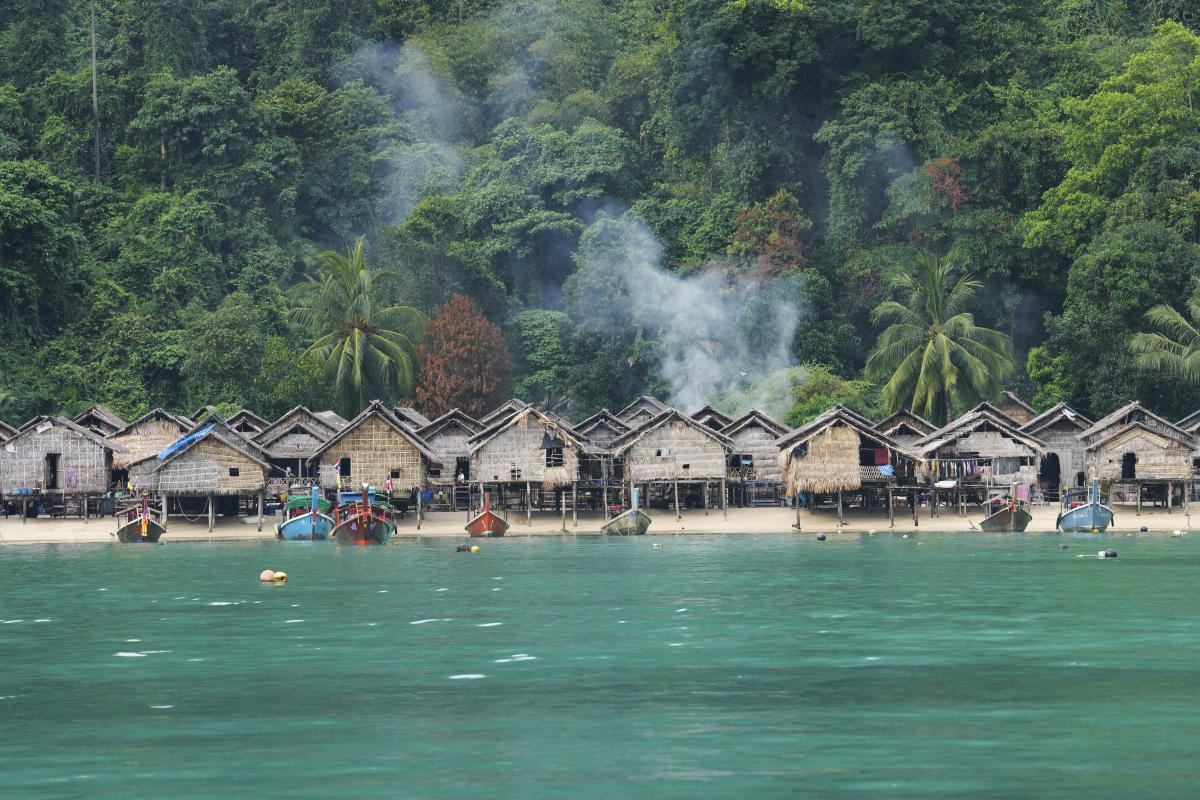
[796,502]
[891,509]
[418,508]
[262,497]
[574,504]
[604,499]
[162,502]
[1138,488]
[678,516]
[85,508]
[840,522]
[24,510]
[1170,489]
[916,495]
[528,506]
[706,498]
[562,504]
[724,500]
[212,513]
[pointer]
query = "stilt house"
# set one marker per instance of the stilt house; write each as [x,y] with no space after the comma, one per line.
[1135,446]
[528,447]
[671,450]
[247,422]
[640,411]
[602,429]
[146,436]
[982,448]
[1058,427]
[204,463]
[448,437]
[99,419]
[371,448]
[502,411]
[289,442]
[54,454]
[754,459]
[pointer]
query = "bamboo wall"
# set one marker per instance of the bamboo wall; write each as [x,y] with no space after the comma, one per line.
[23,461]
[602,435]
[449,444]
[516,455]
[375,450]
[760,444]
[1062,439]
[285,447]
[203,470]
[1158,457]
[661,455]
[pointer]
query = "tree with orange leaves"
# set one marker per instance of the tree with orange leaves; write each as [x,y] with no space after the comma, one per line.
[464,361]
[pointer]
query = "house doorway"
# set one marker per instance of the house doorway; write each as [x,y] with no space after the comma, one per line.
[1128,466]
[1051,472]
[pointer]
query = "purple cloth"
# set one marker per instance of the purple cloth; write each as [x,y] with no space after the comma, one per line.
[1022,491]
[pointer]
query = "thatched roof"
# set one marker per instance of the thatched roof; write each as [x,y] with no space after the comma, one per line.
[986,417]
[247,421]
[717,420]
[229,434]
[6,431]
[316,424]
[502,411]
[821,456]
[377,410]
[522,417]
[1112,435]
[666,417]
[754,417]
[1017,408]
[269,437]
[643,404]
[1125,416]
[905,418]
[411,417]
[140,445]
[1190,423]
[452,417]
[39,421]
[333,418]
[213,432]
[201,412]
[99,418]
[1054,414]
[602,428]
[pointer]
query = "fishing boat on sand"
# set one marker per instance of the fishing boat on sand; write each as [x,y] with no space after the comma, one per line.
[487,522]
[306,521]
[1088,517]
[142,525]
[1006,514]
[362,520]
[633,522]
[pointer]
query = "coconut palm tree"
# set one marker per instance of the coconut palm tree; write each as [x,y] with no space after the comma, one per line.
[367,350]
[1172,345]
[932,353]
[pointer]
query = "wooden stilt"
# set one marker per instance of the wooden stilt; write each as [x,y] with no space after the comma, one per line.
[574,504]
[840,520]
[85,508]
[724,501]
[261,500]
[528,505]
[162,503]
[1138,489]
[562,504]
[24,510]
[1170,491]
[916,495]
[706,498]
[891,509]
[604,499]
[796,502]
[212,514]
[418,508]
[678,515]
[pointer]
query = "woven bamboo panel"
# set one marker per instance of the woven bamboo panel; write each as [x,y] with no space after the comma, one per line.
[760,444]
[516,455]
[675,451]
[375,450]
[449,444]
[204,469]
[83,465]
[1157,457]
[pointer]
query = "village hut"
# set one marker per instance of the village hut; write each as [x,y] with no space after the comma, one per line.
[56,462]
[983,448]
[641,410]
[99,419]
[1058,427]
[602,429]
[230,434]
[409,416]
[375,448]
[713,418]
[448,437]
[672,449]
[527,450]
[1137,448]
[502,411]
[754,462]
[840,451]
[6,431]
[148,435]
[289,442]
[905,427]
[598,470]
[247,422]
[1015,407]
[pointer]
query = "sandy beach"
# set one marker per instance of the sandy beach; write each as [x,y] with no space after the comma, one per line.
[43,530]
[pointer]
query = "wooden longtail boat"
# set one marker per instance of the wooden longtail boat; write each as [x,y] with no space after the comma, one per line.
[142,527]
[486,522]
[363,521]
[633,522]
[1089,517]
[306,523]
[1006,514]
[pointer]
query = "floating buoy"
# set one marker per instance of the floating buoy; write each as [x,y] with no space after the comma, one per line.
[871,532]
[905,536]
[1178,533]
[1062,547]
[1143,529]
[474,548]
[657,544]
[279,577]
[267,575]
[1096,530]
[1107,554]
[820,537]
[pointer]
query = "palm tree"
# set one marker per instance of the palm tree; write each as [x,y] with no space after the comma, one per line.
[366,350]
[1173,346]
[932,352]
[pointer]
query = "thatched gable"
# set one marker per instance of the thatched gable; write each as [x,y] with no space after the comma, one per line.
[904,426]
[409,416]
[55,453]
[319,426]
[602,429]
[298,441]
[529,446]
[1140,452]
[1125,416]
[202,412]
[753,436]
[713,418]
[376,445]
[448,437]
[1190,423]
[828,453]
[100,419]
[233,436]
[502,412]
[672,446]
[640,411]
[1057,414]
[983,445]
[147,435]
[247,422]
[333,418]
[1015,407]
[203,464]
[1058,427]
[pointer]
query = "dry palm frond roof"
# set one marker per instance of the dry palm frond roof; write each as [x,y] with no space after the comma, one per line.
[830,462]
[248,417]
[522,417]
[102,413]
[32,425]
[664,417]
[645,402]
[411,417]
[502,411]
[906,417]
[1128,414]
[6,431]
[316,424]
[1108,437]
[452,417]
[841,415]
[193,438]
[709,415]
[983,415]
[319,432]
[230,434]
[377,410]
[761,419]
[333,418]
[1054,414]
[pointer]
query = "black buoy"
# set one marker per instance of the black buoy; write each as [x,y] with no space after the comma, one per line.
[463,548]
[1142,529]
[1062,547]
[820,537]
[1110,553]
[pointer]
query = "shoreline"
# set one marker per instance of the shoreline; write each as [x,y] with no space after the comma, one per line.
[738,521]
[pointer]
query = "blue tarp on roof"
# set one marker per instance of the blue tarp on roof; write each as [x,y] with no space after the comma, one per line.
[183,442]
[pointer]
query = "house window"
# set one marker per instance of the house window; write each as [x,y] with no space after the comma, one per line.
[554,456]
[343,466]
[233,472]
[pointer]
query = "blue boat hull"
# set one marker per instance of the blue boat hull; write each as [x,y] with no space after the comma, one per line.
[303,528]
[1086,518]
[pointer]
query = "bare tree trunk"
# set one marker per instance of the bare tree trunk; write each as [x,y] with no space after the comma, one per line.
[95,97]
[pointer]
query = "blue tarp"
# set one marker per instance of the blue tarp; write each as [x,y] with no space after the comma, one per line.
[887,470]
[183,442]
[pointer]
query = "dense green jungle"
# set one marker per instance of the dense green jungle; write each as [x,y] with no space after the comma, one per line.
[749,203]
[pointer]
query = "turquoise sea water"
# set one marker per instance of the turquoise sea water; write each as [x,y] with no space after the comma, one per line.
[943,665]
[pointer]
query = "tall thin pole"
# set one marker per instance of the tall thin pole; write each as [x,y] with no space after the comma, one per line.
[95,96]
